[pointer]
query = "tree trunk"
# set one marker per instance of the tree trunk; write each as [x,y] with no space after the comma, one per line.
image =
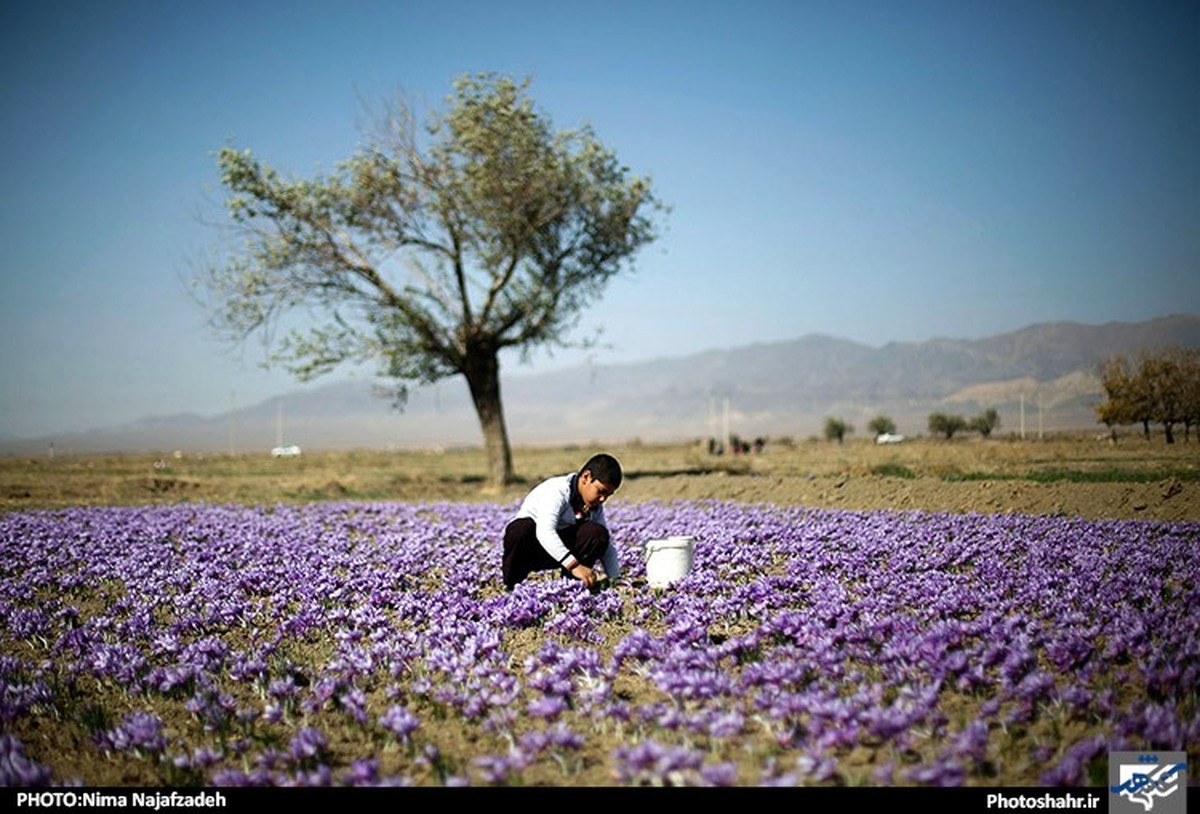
[483,379]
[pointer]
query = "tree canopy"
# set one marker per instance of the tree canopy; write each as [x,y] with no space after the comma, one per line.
[836,429]
[433,248]
[882,425]
[946,425]
[985,423]
[1161,386]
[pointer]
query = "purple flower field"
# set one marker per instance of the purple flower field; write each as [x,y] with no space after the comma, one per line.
[372,644]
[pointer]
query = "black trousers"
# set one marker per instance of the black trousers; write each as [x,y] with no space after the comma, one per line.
[523,554]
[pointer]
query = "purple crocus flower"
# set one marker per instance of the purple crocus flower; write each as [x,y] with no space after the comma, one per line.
[18,770]
[308,746]
[548,707]
[140,732]
[400,721]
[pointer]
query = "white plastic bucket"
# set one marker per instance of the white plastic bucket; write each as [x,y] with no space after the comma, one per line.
[668,560]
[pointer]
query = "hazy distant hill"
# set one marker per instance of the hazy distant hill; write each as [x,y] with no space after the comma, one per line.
[1041,377]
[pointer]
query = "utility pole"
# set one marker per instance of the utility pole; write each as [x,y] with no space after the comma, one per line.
[1040,411]
[1022,415]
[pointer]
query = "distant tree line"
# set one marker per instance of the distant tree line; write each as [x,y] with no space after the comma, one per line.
[949,425]
[836,429]
[1158,387]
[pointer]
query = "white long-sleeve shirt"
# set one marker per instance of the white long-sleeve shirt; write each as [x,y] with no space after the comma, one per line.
[549,506]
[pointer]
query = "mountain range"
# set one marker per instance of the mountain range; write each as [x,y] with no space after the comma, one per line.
[1042,378]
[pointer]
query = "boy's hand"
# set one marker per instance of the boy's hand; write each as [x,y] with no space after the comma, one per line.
[587,575]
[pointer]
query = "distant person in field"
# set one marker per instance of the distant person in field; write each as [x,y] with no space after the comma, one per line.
[560,525]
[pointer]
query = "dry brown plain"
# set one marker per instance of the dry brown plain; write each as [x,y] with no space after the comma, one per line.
[1068,475]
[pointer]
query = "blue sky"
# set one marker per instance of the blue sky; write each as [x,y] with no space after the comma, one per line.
[877,171]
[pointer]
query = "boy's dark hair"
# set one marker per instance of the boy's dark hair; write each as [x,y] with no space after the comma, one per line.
[604,468]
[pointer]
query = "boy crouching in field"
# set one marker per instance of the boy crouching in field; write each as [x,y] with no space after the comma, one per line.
[560,525]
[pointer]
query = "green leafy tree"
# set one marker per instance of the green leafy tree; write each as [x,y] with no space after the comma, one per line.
[433,248]
[882,425]
[946,425]
[836,429]
[985,422]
